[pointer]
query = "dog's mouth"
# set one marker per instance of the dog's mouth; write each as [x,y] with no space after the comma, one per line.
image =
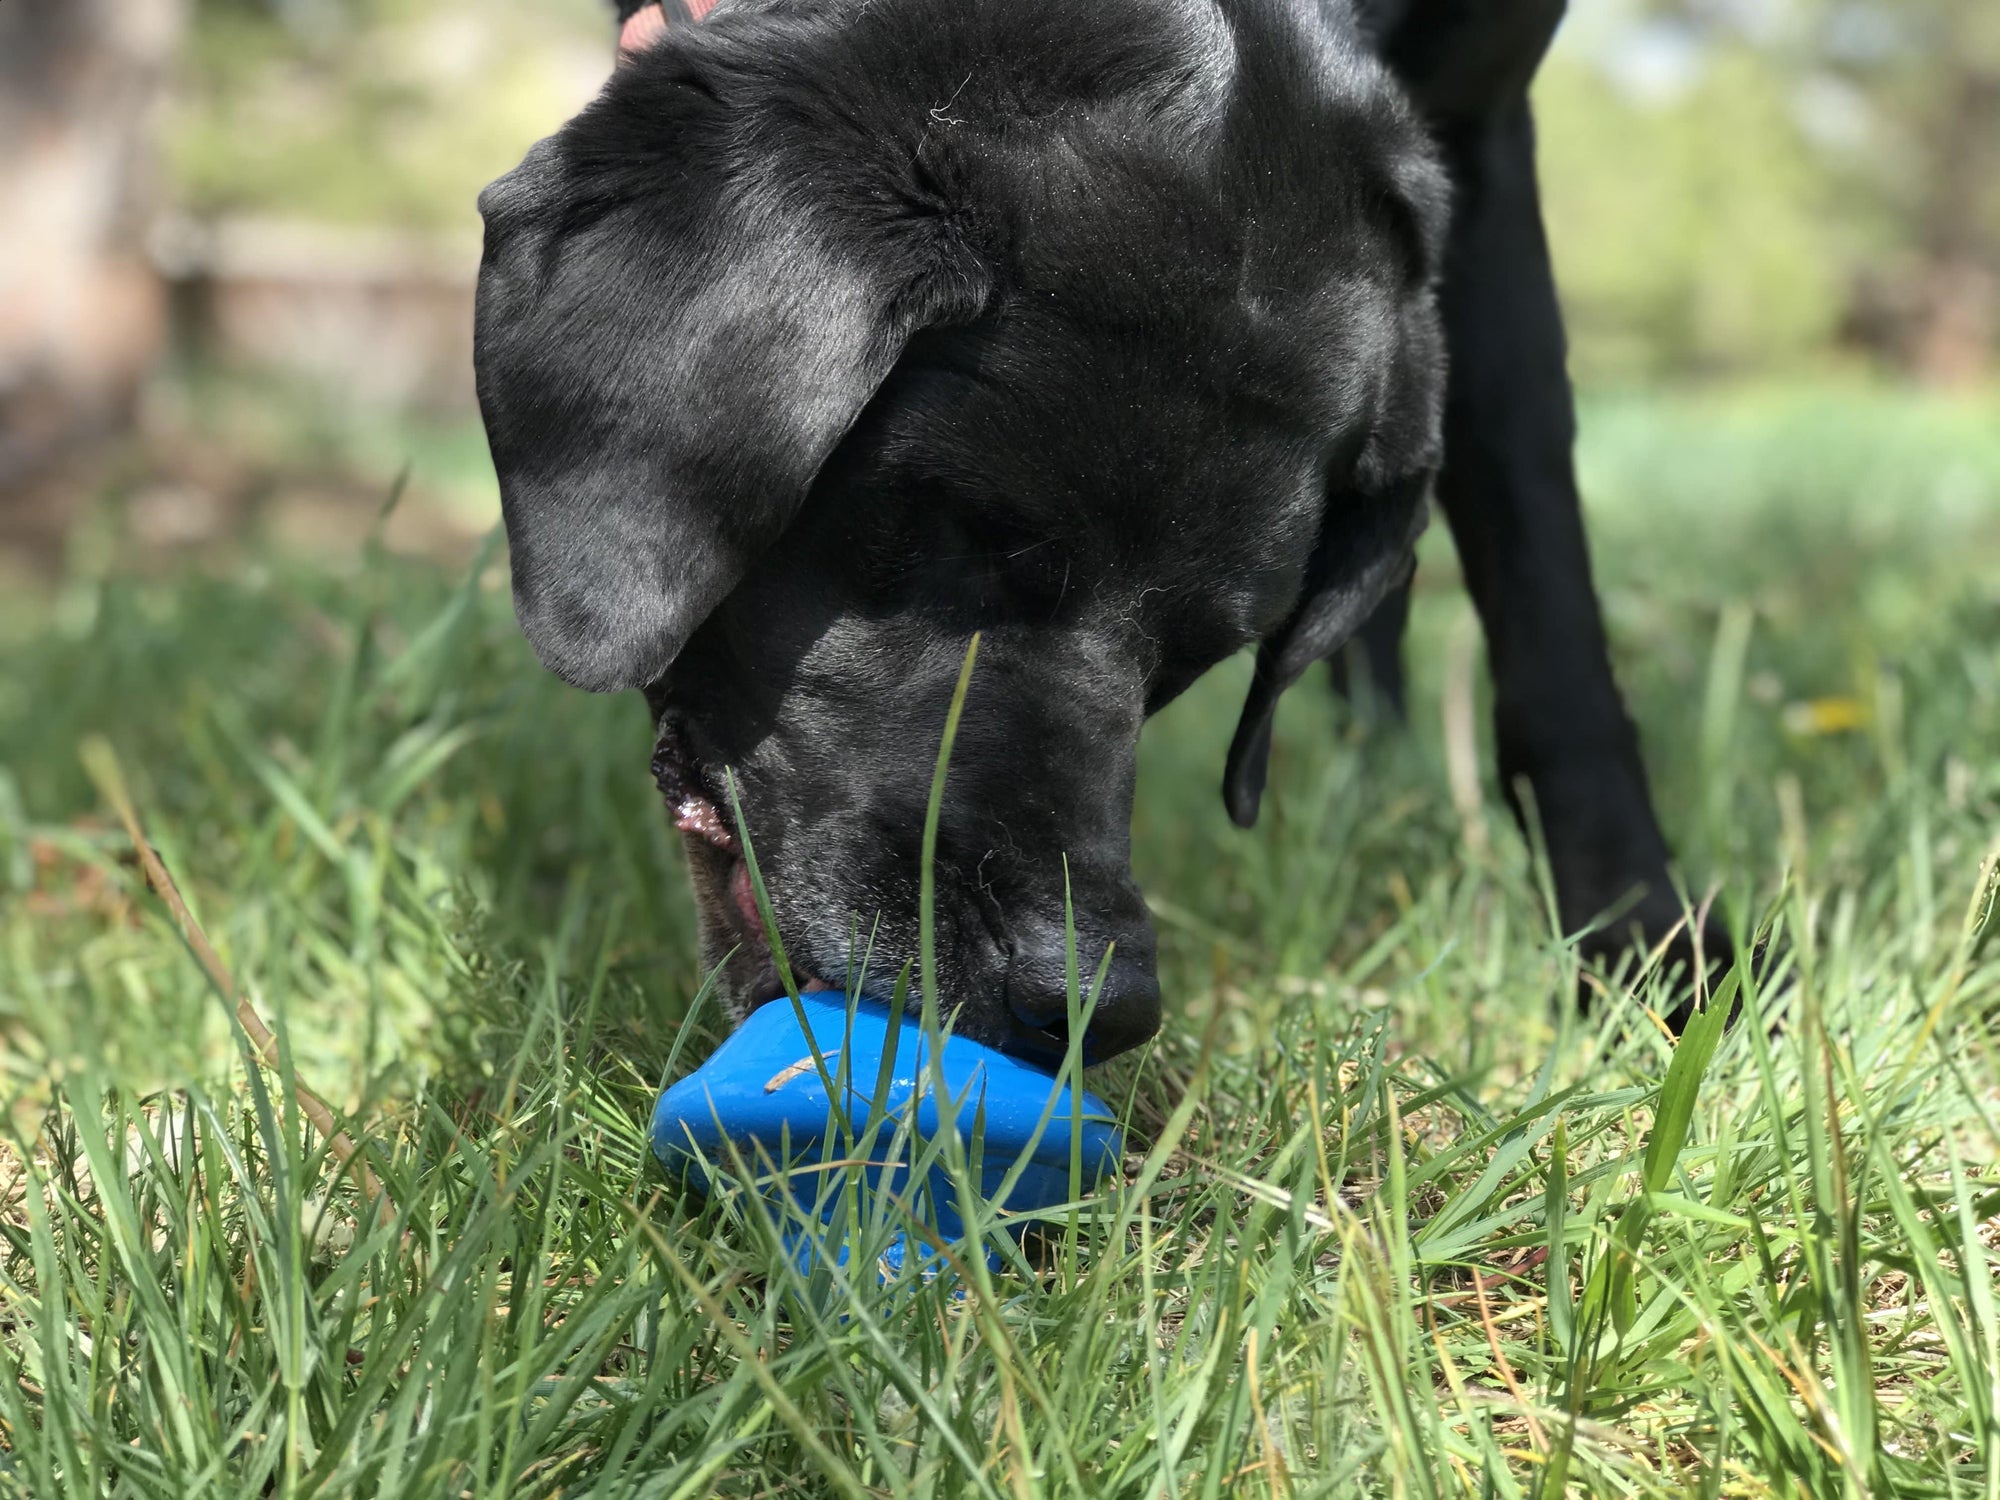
[695,803]
[691,794]
[735,933]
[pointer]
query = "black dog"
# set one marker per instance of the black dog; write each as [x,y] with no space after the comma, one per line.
[1116,331]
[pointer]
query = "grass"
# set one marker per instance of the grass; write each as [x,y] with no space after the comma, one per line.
[1395,1221]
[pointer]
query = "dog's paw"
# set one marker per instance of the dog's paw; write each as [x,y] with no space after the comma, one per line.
[1692,954]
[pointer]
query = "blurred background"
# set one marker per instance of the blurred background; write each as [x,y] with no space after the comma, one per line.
[235,281]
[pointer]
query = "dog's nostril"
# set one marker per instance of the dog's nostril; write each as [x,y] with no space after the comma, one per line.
[1128,1002]
[1038,985]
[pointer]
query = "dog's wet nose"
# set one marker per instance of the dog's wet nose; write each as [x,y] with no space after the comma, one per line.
[1128,1001]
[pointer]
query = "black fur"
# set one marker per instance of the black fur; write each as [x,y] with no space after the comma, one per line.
[838,330]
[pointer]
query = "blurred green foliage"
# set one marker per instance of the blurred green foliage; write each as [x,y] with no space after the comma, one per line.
[1701,236]
[375,112]
[1743,186]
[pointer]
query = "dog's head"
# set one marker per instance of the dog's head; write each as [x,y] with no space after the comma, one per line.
[831,335]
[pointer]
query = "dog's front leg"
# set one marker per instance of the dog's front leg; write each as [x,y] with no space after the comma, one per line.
[1508,488]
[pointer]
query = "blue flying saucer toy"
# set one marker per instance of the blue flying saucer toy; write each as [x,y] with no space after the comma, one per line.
[760,1113]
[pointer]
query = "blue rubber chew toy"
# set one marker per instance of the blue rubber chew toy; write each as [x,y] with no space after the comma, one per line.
[763,1091]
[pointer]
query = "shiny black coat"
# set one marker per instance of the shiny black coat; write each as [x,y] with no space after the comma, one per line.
[834,333]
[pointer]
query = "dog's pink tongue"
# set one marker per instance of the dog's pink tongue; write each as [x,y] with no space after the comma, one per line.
[745,897]
[697,815]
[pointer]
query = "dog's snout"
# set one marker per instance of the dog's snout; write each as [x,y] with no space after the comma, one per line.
[1128,1000]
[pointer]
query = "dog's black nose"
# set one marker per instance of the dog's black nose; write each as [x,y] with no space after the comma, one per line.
[1128,1002]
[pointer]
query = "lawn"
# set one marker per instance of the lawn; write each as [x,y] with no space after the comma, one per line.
[1395,1220]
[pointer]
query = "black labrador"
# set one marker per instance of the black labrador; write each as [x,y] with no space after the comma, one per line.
[1125,333]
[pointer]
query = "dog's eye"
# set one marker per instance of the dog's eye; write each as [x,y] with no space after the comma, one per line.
[983,536]
[1007,561]
[966,556]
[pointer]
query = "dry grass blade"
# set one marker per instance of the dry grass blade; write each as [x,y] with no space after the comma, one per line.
[100,761]
[1504,1369]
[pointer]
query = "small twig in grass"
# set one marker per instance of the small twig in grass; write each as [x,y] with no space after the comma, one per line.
[101,762]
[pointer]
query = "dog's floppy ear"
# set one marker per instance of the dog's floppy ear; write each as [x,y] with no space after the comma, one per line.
[1363,552]
[1374,518]
[687,296]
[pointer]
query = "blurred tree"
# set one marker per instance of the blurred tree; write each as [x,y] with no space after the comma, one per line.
[1931,71]
[1695,228]
[80,308]
[1904,97]
[379,112]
